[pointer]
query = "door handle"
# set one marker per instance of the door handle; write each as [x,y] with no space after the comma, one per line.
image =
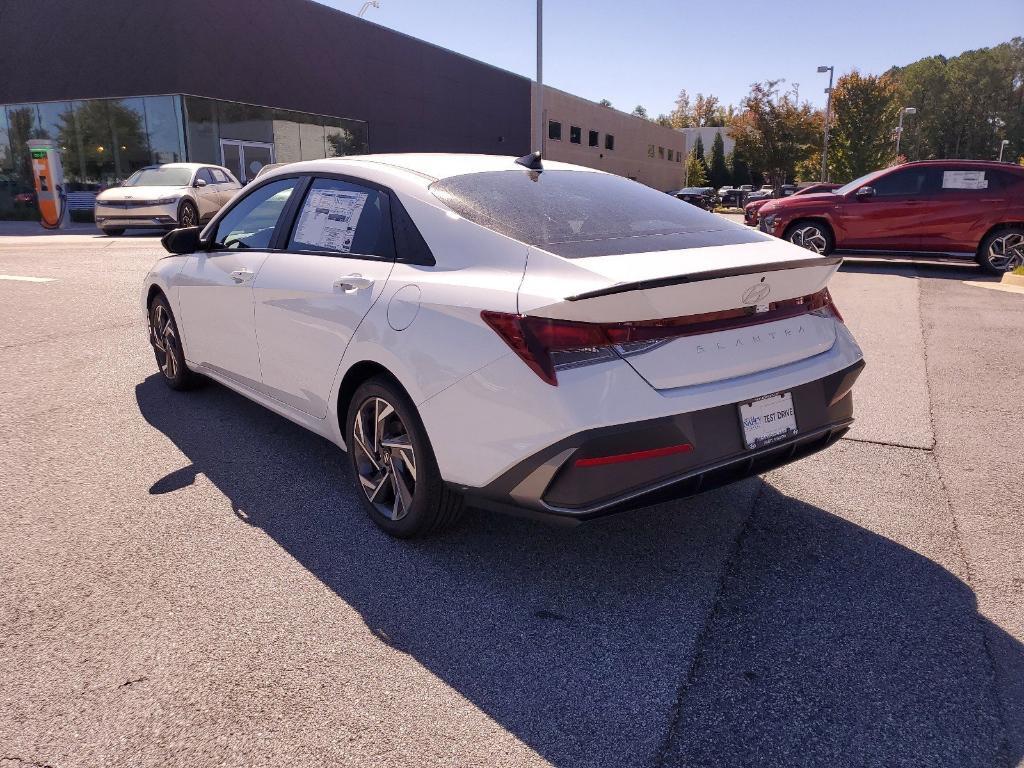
[353,283]
[241,275]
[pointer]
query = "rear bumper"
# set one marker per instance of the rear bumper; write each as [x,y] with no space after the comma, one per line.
[551,484]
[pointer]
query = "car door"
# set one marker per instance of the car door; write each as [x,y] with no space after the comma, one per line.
[311,295]
[215,295]
[226,186]
[207,194]
[962,206]
[889,219]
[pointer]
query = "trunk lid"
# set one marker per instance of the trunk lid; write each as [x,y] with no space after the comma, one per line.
[743,306]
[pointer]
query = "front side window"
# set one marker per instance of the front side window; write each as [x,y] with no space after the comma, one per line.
[575,134]
[206,175]
[594,138]
[251,223]
[609,141]
[577,214]
[341,217]
[554,130]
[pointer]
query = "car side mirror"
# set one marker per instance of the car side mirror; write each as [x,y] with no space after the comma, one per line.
[199,183]
[865,193]
[180,241]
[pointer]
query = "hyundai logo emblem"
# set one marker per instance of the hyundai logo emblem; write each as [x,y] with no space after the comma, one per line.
[756,293]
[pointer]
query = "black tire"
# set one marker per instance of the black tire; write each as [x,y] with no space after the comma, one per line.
[380,472]
[1002,251]
[812,235]
[188,214]
[166,343]
[113,232]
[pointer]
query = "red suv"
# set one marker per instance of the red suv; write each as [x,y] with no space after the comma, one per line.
[966,208]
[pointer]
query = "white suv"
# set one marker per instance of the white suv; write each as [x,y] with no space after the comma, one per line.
[165,197]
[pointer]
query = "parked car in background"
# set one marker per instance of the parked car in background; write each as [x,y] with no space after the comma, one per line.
[750,210]
[558,339]
[966,208]
[702,197]
[165,197]
[732,197]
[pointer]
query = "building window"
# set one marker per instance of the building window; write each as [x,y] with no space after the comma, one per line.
[554,130]
[670,156]
[609,141]
[594,138]
[575,134]
[650,151]
[661,153]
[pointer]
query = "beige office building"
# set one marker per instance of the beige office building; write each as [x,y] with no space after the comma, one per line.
[585,133]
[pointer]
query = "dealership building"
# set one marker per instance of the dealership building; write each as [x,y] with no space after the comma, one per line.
[211,81]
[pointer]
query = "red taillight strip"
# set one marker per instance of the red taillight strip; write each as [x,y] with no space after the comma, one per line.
[620,458]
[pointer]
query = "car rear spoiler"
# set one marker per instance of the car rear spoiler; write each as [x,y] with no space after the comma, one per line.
[714,274]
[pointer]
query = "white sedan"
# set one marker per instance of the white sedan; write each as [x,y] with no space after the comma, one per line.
[510,334]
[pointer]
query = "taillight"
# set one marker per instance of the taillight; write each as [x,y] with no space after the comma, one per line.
[548,345]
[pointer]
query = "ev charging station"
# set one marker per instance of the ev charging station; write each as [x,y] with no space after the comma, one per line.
[49,181]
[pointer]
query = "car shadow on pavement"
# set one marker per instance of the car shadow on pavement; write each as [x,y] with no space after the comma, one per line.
[950,269]
[623,643]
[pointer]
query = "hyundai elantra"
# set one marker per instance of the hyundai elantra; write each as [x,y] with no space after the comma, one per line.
[513,334]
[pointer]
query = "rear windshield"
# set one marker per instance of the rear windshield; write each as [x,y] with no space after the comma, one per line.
[578,213]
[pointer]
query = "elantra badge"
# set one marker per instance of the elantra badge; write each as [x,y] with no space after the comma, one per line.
[756,293]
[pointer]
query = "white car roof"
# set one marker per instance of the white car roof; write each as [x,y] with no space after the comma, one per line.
[430,165]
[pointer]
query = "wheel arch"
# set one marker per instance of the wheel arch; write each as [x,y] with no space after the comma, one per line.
[811,220]
[154,291]
[356,375]
[995,228]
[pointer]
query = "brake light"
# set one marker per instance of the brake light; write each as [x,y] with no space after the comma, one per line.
[547,345]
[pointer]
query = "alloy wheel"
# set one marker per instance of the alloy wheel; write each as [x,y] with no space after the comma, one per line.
[1006,253]
[811,238]
[164,340]
[188,216]
[384,458]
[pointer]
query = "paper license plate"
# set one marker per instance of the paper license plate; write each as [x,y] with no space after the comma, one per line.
[768,420]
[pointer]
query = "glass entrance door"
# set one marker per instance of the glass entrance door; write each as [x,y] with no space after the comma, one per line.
[245,158]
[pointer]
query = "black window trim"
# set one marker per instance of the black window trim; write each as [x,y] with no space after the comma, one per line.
[289,216]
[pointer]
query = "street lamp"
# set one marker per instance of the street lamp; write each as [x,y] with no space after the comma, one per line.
[899,128]
[540,77]
[1002,146]
[366,7]
[828,116]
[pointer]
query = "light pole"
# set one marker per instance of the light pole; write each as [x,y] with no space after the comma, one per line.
[540,76]
[899,128]
[1002,146]
[828,118]
[366,7]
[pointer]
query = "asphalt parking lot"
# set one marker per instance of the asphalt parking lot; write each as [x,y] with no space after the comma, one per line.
[189,580]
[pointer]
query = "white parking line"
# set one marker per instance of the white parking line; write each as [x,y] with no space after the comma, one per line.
[27,279]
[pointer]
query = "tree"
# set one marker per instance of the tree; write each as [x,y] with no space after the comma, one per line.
[696,175]
[664,120]
[706,111]
[777,133]
[640,111]
[681,116]
[719,172]
[698,151]
[865,110]
[604,103]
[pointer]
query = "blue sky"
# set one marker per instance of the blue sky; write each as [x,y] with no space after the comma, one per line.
[644,51]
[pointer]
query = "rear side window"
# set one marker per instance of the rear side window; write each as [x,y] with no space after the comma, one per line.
[251,223]
[341,217]
[578,213]
[219,176]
